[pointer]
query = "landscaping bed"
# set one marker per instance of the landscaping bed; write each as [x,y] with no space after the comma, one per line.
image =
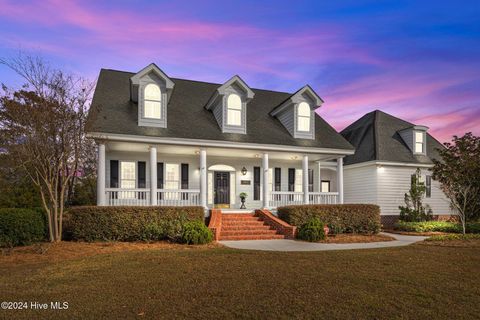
[435,227]
[356,238]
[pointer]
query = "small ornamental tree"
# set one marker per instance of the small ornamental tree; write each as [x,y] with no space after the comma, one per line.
[414,209]
[458,172]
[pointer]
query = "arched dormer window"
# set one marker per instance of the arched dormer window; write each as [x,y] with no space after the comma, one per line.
[303,117]
[234,110]
[152,102]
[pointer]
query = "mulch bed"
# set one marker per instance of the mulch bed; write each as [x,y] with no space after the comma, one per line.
[356,238]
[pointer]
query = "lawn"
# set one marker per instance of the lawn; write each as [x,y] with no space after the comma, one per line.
[172,281]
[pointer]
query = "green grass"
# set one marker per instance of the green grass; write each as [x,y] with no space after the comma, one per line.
[415,282]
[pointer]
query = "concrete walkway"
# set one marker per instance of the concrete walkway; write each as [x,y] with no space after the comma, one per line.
[293,245]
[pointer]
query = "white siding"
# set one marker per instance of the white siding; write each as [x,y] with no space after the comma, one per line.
[386,187]
[359,185]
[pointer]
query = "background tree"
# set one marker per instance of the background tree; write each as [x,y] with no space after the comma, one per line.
[458,171]
[42,130]
[414,210]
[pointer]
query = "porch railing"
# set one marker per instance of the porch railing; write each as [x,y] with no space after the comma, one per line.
[323,197]
[127,197]
[285,198]
[182,197]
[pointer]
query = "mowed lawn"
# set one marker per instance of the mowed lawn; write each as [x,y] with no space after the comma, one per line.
[416,282]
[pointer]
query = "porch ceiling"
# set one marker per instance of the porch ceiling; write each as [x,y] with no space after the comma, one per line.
[215,152]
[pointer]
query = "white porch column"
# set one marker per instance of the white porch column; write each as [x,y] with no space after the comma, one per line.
[101,175]
[340,179]
[319,169]
[153,176]
[266,192]
[203,178]
[305,179]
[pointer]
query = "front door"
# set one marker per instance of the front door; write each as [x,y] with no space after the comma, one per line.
[222,189]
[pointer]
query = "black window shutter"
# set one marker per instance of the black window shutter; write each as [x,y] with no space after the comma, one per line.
[142,174]
[184,176]
[413,180]
[310,180]
[256,183]
[291,179]
[278,179]
[160,175]
[113,173]
[428,186]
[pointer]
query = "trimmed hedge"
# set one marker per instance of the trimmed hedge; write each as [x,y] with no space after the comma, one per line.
[93,223]
[19,226]
[437,226]
[340,218]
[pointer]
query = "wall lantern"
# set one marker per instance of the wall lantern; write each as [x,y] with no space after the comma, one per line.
[244,171]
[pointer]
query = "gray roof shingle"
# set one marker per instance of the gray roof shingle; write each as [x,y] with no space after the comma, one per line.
[112,111]
[375,137]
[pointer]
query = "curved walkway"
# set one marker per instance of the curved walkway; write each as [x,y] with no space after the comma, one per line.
[293,245]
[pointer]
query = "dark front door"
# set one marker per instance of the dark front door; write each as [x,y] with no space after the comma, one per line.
[222,187]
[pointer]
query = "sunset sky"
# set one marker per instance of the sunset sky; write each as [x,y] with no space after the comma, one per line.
[418,60]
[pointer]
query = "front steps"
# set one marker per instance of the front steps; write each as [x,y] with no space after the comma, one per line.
[246,226]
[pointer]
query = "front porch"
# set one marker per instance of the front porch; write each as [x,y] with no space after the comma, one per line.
[139,174]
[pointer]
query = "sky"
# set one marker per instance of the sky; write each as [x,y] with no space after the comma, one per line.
[417,60]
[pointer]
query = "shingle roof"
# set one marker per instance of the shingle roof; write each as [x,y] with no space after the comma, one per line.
[112,111]
[375,137]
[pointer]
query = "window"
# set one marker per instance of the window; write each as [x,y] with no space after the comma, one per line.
[419,142]
[303,117]
[152,102]
[172,176]
[278,179]
[310,180]
[428,186]
[298,180]
[127,179]
[325,187]
[234,110]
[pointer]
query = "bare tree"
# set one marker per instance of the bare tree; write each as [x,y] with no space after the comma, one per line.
[42,128]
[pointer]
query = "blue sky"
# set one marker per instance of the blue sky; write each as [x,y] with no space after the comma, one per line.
[418,60]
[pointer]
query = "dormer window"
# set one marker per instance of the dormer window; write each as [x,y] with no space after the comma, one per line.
[303,117]
[419,142]
[152,101]
[234,110]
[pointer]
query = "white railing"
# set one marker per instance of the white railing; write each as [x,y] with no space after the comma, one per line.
[323,197]
[285,198]
[182,197]
[127,197]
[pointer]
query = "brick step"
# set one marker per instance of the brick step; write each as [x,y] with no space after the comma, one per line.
[231,221]
[247,228]
[238,216]
[248,232]
[253,237]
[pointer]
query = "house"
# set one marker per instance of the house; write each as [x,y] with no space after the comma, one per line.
[168,141]
[388,150]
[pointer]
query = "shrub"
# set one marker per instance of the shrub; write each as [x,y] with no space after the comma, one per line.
[340,218]
[436,226]
[312,230]
[120,223]
[21,226]
[196,232]
[447,237]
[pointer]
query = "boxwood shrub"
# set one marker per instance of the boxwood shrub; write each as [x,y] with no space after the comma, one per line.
[19,226]
[312,230]
[437,226]
[340,218]
[124,223]
[196,232]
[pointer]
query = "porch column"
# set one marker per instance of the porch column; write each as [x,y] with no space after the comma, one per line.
[266,192]
[101,175]
[203,178]
[153,176]
[340,179]
[305,179]
[319,168]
